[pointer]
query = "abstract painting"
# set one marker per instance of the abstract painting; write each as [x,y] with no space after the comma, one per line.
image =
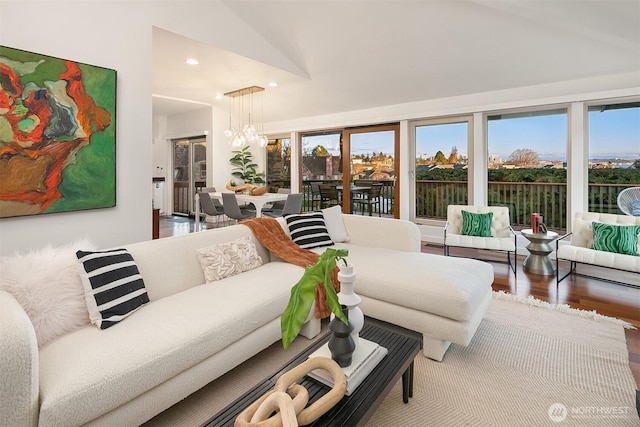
[57,135]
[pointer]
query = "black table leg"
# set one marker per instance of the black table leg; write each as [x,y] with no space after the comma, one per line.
[407,384]
[411,380]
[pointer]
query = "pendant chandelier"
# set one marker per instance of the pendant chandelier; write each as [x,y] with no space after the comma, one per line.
[241,130]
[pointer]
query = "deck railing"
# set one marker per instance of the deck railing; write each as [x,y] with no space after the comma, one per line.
[387,191]
[522,198]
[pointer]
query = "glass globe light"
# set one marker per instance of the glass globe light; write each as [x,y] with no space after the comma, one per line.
[263,141]
[229,132]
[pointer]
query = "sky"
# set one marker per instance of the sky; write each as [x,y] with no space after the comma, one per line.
[612,134]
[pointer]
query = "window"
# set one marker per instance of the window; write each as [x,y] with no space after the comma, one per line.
[614,153]
[441,165]
[527,170]
[278,164]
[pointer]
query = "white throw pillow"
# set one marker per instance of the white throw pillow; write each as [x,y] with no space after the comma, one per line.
[335,224]
[47,285]
[113,286]
[228,259]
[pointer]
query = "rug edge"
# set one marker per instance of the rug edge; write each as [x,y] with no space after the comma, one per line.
[564,308]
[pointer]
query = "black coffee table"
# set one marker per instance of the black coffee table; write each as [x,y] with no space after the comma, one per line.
[403,345]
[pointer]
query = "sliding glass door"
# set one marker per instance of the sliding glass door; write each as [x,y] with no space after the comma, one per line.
[372,159]
[189,172]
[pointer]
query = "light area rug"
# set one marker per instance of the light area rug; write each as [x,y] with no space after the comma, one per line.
[529,364]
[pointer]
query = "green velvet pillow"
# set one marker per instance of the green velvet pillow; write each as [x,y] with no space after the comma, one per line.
[476,224]
[619,239]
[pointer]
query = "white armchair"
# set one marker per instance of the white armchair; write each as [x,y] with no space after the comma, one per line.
[503,238]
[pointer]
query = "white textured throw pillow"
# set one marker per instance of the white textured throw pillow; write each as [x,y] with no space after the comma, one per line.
[47,285]
[335,224]
[228,259]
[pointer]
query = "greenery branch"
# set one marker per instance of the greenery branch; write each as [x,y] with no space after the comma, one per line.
[245,168]
[303,294]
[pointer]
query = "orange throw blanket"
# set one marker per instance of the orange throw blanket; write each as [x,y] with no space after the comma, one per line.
[273,237]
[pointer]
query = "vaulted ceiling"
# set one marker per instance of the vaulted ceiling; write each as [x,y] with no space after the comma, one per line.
[335,56]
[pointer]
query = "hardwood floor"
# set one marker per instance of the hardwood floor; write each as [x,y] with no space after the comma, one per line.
[580,292]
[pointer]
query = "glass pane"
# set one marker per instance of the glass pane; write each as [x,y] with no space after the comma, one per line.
[614,154]
[321,163]
[528,166]
[181,177]
[372,162]
[199,168]
[278,164]
[441,168]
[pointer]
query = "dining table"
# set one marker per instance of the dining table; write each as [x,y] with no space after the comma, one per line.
[354,189]
[258,202]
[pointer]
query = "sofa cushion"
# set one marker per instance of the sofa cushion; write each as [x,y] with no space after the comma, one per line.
[476,224]
[335,225]
[156,343]
[308,230]
[113,286]
[601,258]
[228,259]
[621,239]
[447,286]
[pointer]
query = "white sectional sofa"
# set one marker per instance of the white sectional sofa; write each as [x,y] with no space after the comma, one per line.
[192,332]
[580,251]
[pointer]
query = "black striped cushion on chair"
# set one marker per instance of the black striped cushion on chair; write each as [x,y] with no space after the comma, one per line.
[308,230]
[113,286]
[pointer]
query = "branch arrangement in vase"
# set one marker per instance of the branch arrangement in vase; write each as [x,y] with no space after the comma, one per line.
[303,294]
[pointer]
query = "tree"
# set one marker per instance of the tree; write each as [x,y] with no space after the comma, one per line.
[453,157]
[319,151]
[636,164]
[440,158]
[524,156]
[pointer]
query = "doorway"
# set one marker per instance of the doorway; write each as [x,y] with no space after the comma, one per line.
[189,172]
[373,159]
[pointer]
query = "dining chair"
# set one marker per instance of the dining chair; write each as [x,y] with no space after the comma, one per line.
[208,206]
[316,197]
[369,199]
[233,210]
[277,205]
[293,205]
[328,195]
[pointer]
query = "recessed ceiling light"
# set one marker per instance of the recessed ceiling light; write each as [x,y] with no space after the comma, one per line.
[273,84]
[192,61]
[219,96]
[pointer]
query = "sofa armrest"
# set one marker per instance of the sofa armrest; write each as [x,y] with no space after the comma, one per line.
[382,232]
[19,375]
[564,236]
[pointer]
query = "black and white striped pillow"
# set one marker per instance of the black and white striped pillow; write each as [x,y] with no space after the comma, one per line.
[308,230]
[113,286]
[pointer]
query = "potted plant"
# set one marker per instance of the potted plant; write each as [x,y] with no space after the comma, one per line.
[303,294]
[245,168]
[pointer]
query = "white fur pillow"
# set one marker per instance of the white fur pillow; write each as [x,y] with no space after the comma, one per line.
[228,259]
[47,284]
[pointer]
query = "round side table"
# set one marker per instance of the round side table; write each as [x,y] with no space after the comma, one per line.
[539,248]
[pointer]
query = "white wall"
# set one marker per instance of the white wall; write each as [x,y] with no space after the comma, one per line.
[92,38]
[116,35]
